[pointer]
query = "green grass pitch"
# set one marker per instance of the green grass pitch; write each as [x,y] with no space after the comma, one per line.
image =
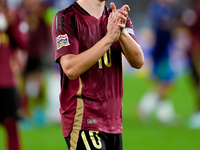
[136,136]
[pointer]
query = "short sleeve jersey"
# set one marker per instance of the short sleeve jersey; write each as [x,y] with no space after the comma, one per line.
[94,100]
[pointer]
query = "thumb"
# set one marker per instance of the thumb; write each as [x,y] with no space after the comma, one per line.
[113,7]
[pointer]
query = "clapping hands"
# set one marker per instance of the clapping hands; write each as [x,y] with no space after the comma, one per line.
[117,21]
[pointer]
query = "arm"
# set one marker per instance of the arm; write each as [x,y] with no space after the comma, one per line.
[75,65]
[132,50]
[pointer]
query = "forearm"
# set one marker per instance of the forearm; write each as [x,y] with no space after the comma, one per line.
[132,50]
[75,65]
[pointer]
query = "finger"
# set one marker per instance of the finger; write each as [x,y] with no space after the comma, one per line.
[123,18]
[122,26]
[113,7]
[124,13]
[125,8]
[115,17]
[110,16]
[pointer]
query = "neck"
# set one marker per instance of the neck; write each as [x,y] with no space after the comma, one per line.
[93,7]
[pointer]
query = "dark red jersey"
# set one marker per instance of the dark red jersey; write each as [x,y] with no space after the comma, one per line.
[94,100]
[14,37]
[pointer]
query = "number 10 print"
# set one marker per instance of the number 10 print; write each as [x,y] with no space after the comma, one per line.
[107,62]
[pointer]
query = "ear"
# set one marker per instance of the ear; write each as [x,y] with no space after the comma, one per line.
[113,7]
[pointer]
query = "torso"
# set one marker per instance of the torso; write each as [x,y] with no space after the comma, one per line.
[93,101]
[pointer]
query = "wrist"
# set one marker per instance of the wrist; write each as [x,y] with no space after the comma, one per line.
[108,39]
[124,33]
[106,42]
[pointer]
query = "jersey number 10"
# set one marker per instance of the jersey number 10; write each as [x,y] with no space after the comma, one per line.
[106,61]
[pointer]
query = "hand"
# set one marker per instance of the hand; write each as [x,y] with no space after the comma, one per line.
[114,27]
[125,8]
[117,21]
[123,11]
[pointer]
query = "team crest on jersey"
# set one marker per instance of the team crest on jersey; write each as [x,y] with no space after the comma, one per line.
[91,121]
[62,40]
[130,31]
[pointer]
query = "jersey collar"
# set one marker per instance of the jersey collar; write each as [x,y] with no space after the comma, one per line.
[83,11]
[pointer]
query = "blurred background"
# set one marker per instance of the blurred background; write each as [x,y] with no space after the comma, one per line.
[161,101]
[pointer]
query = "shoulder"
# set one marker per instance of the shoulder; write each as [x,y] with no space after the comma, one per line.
[67,12]
[63,17]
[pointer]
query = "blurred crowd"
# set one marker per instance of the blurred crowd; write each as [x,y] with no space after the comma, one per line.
[33,66]
[29,80]
[169,36]
[170,41]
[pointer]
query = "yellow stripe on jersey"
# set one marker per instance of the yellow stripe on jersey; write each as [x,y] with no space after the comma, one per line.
[74,139]
[79,109]
[78,117]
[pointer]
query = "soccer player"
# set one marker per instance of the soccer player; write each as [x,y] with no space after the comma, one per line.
[34,84]
[13,36]
[163,16]
[89,40]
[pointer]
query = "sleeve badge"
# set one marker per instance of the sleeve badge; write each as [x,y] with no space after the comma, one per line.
[62,40]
